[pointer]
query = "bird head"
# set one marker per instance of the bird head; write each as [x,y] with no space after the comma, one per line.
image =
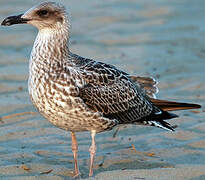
[47,15]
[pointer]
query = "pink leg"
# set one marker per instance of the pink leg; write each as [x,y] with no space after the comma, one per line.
[75,152]
[92,152]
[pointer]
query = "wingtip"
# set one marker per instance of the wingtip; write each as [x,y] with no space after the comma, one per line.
[193,106]
[197,106]
[173,106]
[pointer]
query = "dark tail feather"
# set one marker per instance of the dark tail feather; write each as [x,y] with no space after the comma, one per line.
[167,115]
[173,106]
[157,119]
[162,124]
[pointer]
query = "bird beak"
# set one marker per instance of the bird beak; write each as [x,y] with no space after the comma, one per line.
[14,20]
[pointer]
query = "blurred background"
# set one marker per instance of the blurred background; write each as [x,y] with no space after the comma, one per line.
[162,38]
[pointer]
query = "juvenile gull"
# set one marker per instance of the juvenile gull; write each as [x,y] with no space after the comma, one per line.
[79,94]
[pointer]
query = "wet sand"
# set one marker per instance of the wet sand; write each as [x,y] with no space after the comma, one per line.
[165,39]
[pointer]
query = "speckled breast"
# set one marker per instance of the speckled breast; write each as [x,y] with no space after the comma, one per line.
[55,95]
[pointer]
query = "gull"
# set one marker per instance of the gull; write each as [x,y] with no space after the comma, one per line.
[78,94]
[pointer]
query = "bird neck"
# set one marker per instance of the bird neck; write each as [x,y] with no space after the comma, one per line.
[51,45]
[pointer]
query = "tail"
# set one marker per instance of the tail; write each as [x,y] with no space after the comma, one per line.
[160,112]
[173,106]
[162,124]
[158,117]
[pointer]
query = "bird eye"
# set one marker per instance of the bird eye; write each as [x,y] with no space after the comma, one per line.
[42,12]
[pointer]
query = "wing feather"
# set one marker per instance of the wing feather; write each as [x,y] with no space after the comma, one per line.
[149,85]
[119,98]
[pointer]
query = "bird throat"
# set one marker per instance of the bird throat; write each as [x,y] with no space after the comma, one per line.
[51,45]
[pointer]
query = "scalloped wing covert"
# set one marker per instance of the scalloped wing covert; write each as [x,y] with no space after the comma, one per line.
[117,98]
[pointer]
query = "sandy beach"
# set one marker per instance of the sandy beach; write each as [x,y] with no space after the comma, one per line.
[164,39]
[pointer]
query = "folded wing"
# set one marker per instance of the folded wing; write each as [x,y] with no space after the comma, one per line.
[121,100]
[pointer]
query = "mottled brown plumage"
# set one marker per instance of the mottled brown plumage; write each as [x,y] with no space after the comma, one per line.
[79,94]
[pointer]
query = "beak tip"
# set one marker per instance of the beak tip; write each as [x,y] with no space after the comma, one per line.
[5,22]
